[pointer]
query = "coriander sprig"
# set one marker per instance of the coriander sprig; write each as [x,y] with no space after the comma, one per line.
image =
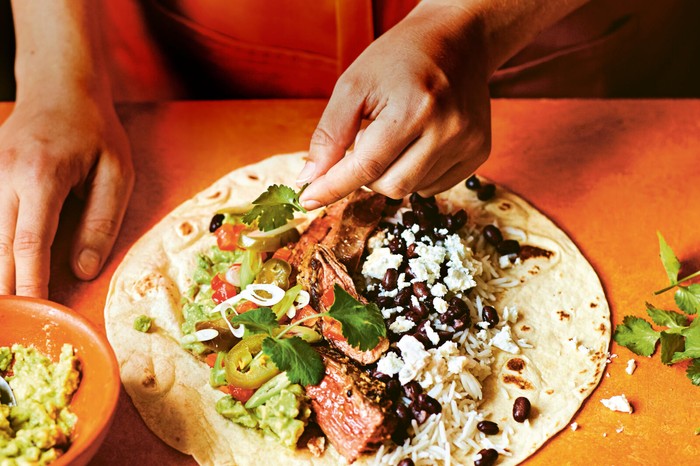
[275,207]
[680,340]
[362,325]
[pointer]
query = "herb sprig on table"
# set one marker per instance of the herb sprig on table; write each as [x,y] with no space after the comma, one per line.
[680,339]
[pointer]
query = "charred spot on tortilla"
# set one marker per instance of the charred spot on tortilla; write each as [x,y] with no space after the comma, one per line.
[534,271]
[525,328]
[594,305]
[147,284]
[528,252]
[518,381]
[516,364]
[185,228]
[563,315]
[504,206]
[603,328]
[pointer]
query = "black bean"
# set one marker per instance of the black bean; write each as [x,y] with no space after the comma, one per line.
[409,218]
[419,309]
[488,457]
[396,229]
[409,273]
[400,434]
[420,415]
[216,221]
[412,389]
[403,297]
[521,409]
[393,389]
[416,200]
[459,305]
[460,323]
[421,335]
[473,183]
[403,414]
[428,403]
[397,246]
[406,462]
[381,376]
[426,222]
[488,427]
[411,251]
[508,246]
[486,192]
[390,278]
[490,315]
[392,201]
[385,302]
[421,290]
[458,219]
[492,235]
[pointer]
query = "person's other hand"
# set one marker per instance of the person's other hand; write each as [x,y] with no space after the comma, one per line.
[423,87]
[48,147]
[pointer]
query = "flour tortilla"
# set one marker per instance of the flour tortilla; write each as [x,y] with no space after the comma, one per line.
[563,314]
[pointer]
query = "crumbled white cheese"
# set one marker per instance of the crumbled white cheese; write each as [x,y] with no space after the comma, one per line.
[415,228]
[456,364]
[440,305]
[504,262]
[431,334]
[510,314]
[458,278]
[379,261]
[414,356]
[390,293]
[504,340]
[426,267]
[390,364]
[618,403]
[631,366]
[408,237]
[619,429]
[376,241]
[438,290]
[574,425]
[482,334]
[388,312]
[401,325]
[401,283]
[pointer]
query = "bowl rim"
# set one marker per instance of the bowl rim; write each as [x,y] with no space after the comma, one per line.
[111,394]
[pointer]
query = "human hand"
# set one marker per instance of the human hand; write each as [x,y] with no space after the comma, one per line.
[48,147]
[423,86]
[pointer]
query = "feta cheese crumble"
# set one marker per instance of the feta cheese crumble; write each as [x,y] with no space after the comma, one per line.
[618,403]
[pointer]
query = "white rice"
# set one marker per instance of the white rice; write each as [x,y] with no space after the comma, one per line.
[451,437]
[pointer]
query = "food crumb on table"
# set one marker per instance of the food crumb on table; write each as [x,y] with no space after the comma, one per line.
[574,426]
[631,366]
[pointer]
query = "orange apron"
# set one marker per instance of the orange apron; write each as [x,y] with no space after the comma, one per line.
[166,49]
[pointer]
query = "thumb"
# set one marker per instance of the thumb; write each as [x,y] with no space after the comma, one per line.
[334,133]
[102,218]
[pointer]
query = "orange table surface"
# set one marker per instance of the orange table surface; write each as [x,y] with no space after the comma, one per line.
[609,172]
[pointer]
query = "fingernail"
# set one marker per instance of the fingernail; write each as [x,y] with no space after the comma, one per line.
[89,262]
[306,173]
[310,204]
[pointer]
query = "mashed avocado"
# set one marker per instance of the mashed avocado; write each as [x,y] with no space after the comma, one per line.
[38,429]
[283,416]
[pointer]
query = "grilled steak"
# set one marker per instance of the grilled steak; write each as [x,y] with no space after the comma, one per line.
[318,273]
[352,409]
[318,230]
[359,218]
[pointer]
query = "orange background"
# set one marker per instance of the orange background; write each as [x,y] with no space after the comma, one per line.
[609,172]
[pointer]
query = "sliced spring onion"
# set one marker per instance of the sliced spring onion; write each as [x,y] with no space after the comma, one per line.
[292,311]
[253,294]
[287,302]
[267,390]
[302,299]
[206,334]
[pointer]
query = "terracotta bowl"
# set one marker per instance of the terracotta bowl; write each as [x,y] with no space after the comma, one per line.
[47,326]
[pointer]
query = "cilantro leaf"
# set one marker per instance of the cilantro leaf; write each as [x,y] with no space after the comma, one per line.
[637,335]
[669,260]
[275,207]
[670,344]
[675,321]
[260,320]
[295,356]
[692,343]
[688,298]
[362,325]
[693,373]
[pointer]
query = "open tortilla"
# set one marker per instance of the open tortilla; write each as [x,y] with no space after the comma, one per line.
[563,314]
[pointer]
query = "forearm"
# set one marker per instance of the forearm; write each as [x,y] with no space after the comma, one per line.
[58,49]
[501,27]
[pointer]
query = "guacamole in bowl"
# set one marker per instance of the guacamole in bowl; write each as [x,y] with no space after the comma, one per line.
[39,428]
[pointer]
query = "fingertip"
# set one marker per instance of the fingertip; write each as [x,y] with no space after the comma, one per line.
[87,263]
[307,174]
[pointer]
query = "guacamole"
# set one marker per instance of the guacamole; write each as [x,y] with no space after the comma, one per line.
[38,429]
